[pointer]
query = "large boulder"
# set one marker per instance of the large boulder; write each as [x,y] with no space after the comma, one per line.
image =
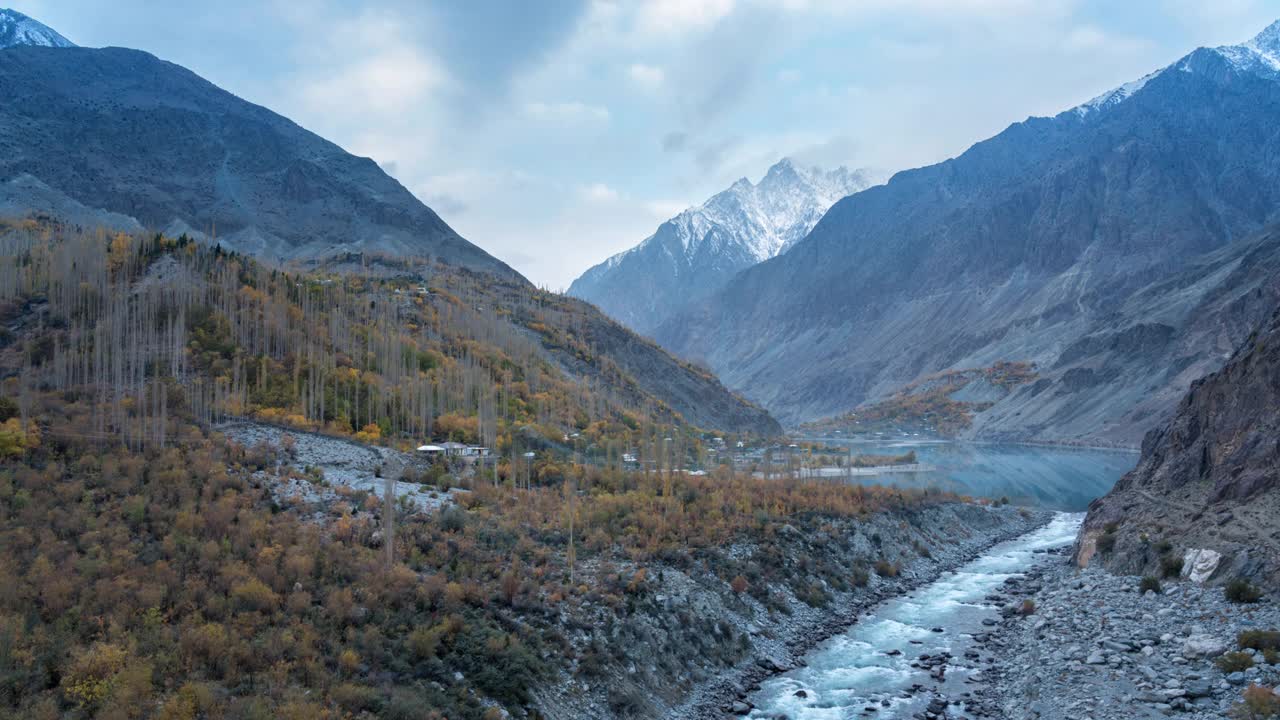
[1203,646]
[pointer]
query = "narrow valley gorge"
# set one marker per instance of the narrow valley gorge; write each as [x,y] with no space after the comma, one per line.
[296,427]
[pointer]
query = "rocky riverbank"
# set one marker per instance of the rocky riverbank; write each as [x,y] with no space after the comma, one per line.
[1091,645]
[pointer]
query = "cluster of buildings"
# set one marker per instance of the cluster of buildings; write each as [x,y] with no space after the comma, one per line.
[453,449]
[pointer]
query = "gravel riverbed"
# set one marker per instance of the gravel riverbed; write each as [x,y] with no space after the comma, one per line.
[1096,648]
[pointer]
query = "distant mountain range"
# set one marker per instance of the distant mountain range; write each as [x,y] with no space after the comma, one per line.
[1114,245]
[120,137]
[696,252]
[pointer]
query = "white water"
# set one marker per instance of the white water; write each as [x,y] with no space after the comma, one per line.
[851,672]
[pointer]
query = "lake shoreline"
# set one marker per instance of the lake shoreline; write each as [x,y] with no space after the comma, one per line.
[934,440]
[1060,478]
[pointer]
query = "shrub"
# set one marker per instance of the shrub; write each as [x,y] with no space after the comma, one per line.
[1258,703]
[1234,662]
[1242,591]
[1149,583]
[739,585]
[8,408]
[886,569]
[92,676]
[452,519]
[859,577]
[254,595]
[355,698]
[1171,566]
[1107,542]
[625,702]
[814,596]
[1259,639]
[1028,607]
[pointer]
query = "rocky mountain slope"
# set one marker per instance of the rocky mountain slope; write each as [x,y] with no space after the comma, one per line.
[1049,243]
[1207,489]
[17,30]
[122,133]
[697,251]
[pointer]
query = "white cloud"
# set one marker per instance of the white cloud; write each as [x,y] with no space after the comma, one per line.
[548,230]
[1085,37]
[935,9]
[789,76]
[572,111]
[666,209]
[599,192]
[389,81]
[679,16]
[649,77]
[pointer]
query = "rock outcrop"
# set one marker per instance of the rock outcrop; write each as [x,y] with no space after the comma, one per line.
[1206,492]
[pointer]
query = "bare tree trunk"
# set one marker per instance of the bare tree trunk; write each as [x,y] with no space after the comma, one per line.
[391,471]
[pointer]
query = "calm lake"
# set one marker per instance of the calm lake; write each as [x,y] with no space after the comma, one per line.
[1056,478]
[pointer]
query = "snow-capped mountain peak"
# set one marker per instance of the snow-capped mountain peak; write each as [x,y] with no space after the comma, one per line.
[766,218]
[17,29]
[1268,41]
[700,248]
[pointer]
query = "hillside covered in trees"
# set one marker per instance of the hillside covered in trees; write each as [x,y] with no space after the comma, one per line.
[428,352]
[150,571]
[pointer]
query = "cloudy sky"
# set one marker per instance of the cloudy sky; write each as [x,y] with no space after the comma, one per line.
[554,133]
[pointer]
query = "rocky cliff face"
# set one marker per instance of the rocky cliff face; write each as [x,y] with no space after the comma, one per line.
[1048,243]
[123,134]
[1208,480]
[696,252]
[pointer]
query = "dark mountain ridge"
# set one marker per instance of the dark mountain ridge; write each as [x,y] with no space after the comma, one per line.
[124,132]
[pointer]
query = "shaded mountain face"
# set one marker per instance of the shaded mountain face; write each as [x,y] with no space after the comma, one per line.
[122,133]
[696,252]
[1032,246]
[18,30]
[1209,479]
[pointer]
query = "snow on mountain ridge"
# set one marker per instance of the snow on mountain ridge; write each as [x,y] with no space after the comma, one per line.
[17,30]
[767,217]
[1261,54]
[699,249]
